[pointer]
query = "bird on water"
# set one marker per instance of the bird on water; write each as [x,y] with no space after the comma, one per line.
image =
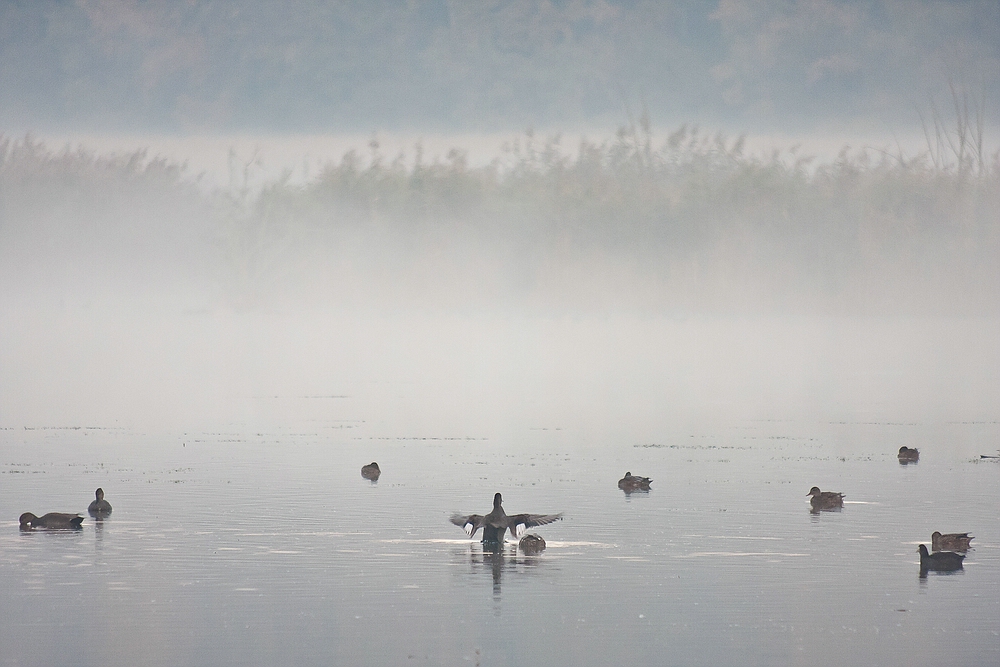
[497,522]
[825,500]
[531,544]
[908,455]
[100,505]
[942,561]
[950,541]
[371,471]
[50,520]
[630,483]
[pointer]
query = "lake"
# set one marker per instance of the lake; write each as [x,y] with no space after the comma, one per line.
[257,542]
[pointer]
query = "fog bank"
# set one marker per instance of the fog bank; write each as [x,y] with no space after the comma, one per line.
[629,285]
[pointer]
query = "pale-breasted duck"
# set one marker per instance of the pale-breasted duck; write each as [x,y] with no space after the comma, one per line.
[950,541]
[100,505]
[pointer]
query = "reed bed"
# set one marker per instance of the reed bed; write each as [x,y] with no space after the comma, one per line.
[690,220]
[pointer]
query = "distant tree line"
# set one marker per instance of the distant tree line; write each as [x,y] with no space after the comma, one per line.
[258,65]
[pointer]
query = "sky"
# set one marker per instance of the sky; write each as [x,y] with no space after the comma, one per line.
[268,67]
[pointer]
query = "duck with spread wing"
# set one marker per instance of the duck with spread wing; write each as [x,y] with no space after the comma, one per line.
[497,522]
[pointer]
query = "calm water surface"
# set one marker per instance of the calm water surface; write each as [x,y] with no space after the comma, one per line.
[253,546]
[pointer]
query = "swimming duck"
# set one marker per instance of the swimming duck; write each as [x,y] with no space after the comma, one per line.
[630,483]
[50,520]
[371,471]
[100,505]
[497,522]
[531,544]
[908,455]
[942,561]
[950,541]
[825,500]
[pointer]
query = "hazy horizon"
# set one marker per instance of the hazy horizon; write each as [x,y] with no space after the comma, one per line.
[226,166]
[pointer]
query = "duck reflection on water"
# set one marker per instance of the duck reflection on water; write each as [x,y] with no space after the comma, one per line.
[98,534]
[501,557]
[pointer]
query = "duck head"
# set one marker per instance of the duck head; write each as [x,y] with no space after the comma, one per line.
[497,499]
[100,494]
[27,518]
[814,491]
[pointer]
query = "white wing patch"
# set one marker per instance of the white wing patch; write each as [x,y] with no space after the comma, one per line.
[519,530]
[468,528]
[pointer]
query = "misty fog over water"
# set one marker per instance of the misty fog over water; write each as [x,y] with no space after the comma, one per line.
[714,263]
[744,248]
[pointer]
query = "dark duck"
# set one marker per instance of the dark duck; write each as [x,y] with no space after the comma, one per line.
[630,483]
[53,520]
[942,561]
[371,471]
[531,545]
[497,522]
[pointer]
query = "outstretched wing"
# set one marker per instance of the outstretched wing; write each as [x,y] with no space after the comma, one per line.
[521,522]
[469,523]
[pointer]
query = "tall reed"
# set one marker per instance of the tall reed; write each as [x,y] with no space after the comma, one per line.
[692,211]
